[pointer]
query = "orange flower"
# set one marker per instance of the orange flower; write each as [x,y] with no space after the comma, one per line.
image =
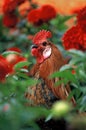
[5,68]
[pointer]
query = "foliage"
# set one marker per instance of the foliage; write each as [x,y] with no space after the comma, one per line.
[74,72]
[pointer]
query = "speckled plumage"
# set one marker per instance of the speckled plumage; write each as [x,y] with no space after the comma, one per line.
[40,94]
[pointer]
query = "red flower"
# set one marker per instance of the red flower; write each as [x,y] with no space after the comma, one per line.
[6,107]
[34,17]
[42,14]
[73,71]
[74,38]
[10,5]
[15,58]
[20,1]
[81,14]
[48,12]
[81,18]
[5,68]
[16,49]
[10,20]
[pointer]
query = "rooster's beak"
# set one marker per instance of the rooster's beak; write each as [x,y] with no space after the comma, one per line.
[34,46]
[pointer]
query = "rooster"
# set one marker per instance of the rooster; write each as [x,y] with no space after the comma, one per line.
[48,60]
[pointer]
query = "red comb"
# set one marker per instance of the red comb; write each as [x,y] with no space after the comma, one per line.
[41,36]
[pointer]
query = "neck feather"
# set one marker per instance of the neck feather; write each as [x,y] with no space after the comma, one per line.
[51,64]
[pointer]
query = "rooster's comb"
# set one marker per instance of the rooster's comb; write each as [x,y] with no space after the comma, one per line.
[41,36]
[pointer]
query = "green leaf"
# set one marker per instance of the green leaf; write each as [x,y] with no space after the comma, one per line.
[60,19]
[21,64]
[65,81]
[10,52]
[76,52]
[76,60]
[67,74]
[30,82]
[49,117]
[82,73]
[65,18]
[65,67]
[22,75]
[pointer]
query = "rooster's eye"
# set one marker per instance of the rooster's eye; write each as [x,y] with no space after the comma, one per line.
[44,43]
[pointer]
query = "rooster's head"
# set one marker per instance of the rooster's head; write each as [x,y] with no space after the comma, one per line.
[42,47]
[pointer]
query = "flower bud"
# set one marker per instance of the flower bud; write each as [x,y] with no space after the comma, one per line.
[60,109]
[6,107]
